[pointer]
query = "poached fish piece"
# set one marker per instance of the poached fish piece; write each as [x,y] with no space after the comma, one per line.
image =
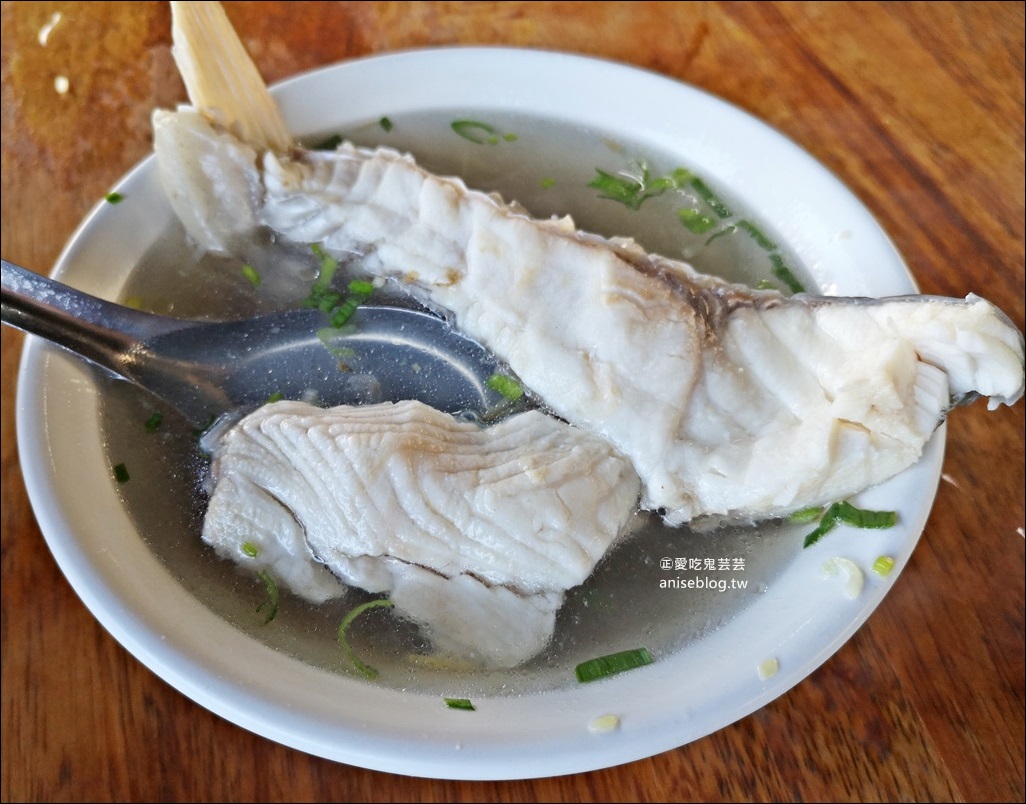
[474,533]
[731,403]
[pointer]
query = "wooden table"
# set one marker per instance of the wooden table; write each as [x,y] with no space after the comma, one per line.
[918,107]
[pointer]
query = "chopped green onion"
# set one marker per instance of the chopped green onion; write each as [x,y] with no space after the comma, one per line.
[361,287]
[628,191]
[277,396]
[695,221]
[114,198]
[330,144]
[510,137]
[328,265]
[250,549]
[710,197]
[785,275]
[604,666]
[153,423]
[323,299]
[807,514]
[251,274]
[547,182]
[847,514]
[883,566]
[681,178]
[364,668]
[459,703]
[385,123]
[474,130]
[825,526]
[326,335]
[121,473]
[341,314]
[506,386]
[272,595]
[338,307]
[757,234]
[361,291]
[861,518]
[321,296]
[725,230]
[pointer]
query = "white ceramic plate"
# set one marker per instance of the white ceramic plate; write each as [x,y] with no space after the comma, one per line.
[800,619]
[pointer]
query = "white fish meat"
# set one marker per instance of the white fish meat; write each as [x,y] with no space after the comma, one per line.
[730,403]
[474,533]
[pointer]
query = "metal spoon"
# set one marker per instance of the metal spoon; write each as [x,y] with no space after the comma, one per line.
[207,368]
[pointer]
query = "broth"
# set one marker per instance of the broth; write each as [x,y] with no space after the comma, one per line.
[639,593]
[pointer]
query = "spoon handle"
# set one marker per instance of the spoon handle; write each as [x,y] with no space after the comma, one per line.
[101,331]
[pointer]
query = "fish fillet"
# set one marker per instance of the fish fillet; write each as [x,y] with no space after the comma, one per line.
[729,402]
[475,533]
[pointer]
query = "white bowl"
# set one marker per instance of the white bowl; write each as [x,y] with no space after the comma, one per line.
[799,619]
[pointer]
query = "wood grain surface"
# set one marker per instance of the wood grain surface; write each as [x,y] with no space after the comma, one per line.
[917,107]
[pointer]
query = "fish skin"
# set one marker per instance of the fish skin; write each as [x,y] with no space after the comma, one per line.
[440,514]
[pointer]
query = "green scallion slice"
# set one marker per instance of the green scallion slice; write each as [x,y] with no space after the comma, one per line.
[617,188]
[603,666]
[114,198]
[883,566]
[330,144]
[341,314]
[250,549]
[695,221]
[327,336]
[785,275]
[271,588]
[757,234]
[862,518]
[729,229]
[714,202]
[506,386]
[847,514]
[277,396]
[476,131]
[459,703]
[153,423]
[252,275]
[322,299]
[363,667]
[807,514]
[121,473]
[327,268]
[681,178]
[361,287]
[629,191]
[827,524]
[385,124]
